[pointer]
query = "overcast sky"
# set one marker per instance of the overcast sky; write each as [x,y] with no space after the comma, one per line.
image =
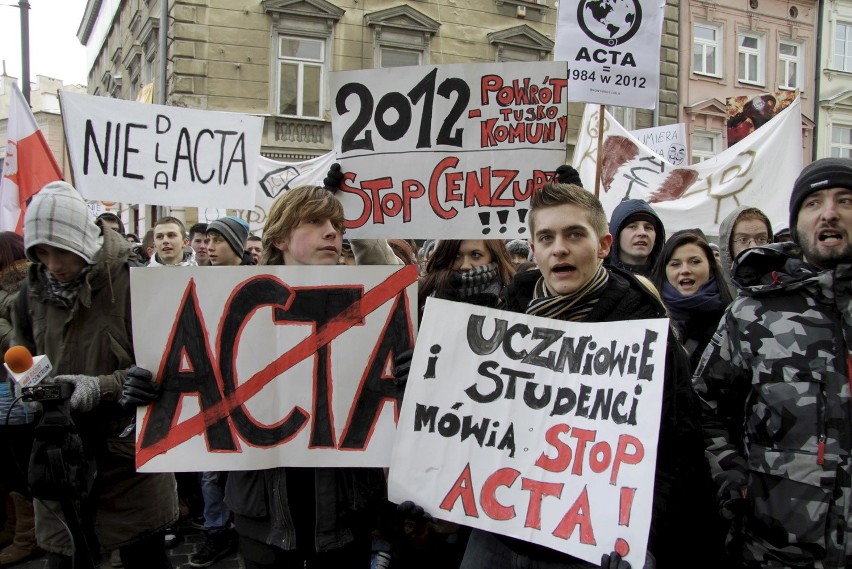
[54,48]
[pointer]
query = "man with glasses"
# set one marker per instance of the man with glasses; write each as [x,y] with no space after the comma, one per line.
[744,228]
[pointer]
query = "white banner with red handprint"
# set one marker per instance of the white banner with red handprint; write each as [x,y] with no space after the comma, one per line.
[759,171]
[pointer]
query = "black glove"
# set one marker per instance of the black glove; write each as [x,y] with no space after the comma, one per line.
[613,560]
[565,174]
[413,512]
[401,367]
[139,388]
[333,178]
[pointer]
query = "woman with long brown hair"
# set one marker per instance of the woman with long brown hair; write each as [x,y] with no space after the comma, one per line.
[468,270]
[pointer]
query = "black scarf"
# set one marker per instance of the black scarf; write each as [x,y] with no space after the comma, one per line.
[575,306]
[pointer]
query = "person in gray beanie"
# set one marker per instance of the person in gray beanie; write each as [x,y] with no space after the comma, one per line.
[74,307]
[774,384]
[226,240]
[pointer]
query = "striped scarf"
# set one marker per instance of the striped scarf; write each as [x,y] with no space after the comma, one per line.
[64,294]
[482,279]
[575,306]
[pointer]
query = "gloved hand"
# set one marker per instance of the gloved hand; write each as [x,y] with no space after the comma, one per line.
[401,367]
[566,174]
[333,178]
[87,391]
[139,388]
[613,560]
[413,512]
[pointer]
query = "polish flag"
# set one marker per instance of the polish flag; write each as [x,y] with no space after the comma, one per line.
[28,166]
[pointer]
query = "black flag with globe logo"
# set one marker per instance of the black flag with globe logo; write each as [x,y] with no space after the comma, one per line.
[609,22]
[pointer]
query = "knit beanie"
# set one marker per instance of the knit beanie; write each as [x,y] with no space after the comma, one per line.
[58,216]
[233,229]
[819,175]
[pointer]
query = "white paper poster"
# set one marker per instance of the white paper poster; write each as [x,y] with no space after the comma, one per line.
[535,428]
[270,366]
[130,152]
[449,150]
[613,50]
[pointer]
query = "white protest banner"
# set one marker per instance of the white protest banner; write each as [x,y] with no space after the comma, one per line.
[132,152]
[275,178]
[612,50]
[668,142]
[270,366]
[759,171]
[540,429]
[449,150]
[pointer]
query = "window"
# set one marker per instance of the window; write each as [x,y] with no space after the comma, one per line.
[843,47]
[790,65]
[398,57]
[300,75]
[707,49]
[705,145]
[750,58]
[626,116]
[841,142]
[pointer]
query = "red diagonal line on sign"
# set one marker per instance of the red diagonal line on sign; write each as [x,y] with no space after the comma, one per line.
[372,300]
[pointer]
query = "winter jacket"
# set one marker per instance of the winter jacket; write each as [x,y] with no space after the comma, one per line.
[93,338]
[774,384]
[683,521]
[617,222]
[342,501]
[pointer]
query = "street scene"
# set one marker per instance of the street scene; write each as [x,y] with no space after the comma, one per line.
[311,284]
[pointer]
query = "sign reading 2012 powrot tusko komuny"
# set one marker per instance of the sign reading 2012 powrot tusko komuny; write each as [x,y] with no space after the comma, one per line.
[534,428]
[449,150]
[613,50]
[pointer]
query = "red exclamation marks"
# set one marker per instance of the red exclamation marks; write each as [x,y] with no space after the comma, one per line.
[625,504]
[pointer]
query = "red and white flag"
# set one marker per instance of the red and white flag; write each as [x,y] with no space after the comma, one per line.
[28,165]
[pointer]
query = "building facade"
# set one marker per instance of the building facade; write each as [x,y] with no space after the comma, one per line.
[834,81]
[273,57]
[734,48]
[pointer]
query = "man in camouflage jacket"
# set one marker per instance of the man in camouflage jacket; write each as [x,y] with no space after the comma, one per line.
[775,387]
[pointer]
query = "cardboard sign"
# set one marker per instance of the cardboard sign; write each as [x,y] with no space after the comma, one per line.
[132,152]
[612,50]
[534,428]
[449,150]
[270,366]
[668,142]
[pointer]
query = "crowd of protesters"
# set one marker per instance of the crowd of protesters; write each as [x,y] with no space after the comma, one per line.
[754,461]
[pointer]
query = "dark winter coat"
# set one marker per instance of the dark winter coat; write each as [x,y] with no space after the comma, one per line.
[775,390]
[93,338]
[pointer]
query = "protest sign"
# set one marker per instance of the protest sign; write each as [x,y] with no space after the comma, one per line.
[132,152]
[759,171]
[270,366]
[449,150]
[667,142]
[540,429]
[612,50]
[274,178]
